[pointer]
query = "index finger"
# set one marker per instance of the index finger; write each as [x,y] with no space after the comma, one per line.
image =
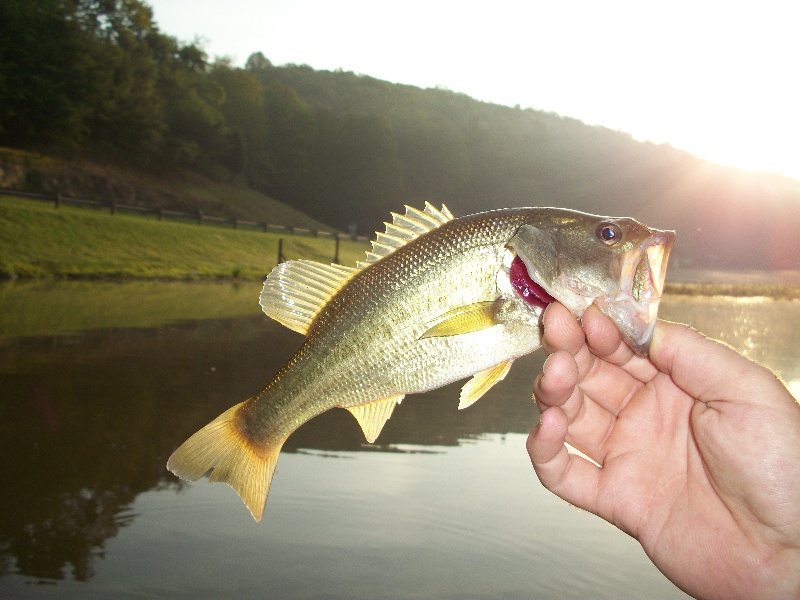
[605,341]
[588,383]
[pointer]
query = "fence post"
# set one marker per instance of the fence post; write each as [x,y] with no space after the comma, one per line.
[336,252]
[160,214]
[281,257]
[236,222]
[199,217]
[113,207]
[58,199]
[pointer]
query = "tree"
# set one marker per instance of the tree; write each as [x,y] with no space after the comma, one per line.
[46,76]
[246,118]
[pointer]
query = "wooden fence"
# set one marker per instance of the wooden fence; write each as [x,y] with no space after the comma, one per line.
[198,217]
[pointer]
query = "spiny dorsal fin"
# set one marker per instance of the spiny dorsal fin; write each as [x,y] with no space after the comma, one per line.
[295,291]
[405,228]
[481,383]
[373,416]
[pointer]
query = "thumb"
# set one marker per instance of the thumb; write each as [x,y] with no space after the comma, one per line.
[707,369]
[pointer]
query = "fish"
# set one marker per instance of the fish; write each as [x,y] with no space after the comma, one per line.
[438,299]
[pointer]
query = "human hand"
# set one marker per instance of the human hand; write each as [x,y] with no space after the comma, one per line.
[698,447]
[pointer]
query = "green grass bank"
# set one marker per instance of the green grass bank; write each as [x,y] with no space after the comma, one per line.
[38,240]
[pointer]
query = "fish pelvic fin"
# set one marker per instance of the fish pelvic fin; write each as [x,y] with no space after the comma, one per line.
[232,457]
[465,319]
[373,415]
[481,383]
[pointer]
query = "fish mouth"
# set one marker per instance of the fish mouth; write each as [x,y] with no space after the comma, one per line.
[632,303]
[634,308]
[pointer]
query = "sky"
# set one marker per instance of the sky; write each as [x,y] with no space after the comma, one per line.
[718,79]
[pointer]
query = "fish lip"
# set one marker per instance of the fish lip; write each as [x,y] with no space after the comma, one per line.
[635,307]
[643,272]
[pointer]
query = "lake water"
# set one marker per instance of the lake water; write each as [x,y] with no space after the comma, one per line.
[445,505]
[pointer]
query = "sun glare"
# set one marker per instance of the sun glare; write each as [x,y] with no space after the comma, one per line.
[714,78]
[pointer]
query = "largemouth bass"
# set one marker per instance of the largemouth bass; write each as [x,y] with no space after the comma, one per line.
[437,300]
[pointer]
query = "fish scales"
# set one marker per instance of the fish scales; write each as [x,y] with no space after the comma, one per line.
[436,304]
[336,368]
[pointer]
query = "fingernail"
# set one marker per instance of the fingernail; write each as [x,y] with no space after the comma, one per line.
[544,364]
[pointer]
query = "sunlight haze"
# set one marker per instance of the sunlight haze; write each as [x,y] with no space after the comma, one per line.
[717,79]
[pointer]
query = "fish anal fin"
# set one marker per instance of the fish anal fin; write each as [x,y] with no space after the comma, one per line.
[373,416]
[464,319]
[235,460]
[481,383]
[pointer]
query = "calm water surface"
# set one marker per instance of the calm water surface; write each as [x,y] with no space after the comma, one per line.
[445,505]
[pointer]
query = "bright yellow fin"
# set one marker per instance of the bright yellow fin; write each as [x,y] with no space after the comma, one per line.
[405,228]
[373,416]
[481,383]
[464,319]
[295,291]
[235,460]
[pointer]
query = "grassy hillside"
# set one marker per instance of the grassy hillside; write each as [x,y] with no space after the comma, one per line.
[38,240]
[180,190]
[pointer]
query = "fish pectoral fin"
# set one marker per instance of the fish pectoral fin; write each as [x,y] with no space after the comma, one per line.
[465,319]
[481,383]
[373,416]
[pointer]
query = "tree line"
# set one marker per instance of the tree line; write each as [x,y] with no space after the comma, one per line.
[98,78]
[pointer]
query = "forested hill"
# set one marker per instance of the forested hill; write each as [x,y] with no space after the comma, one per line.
[98,78]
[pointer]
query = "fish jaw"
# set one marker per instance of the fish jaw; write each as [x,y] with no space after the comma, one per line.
[625,280]
[634,307]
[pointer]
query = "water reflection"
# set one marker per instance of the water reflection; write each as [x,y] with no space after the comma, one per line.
[88,421]
[760,328]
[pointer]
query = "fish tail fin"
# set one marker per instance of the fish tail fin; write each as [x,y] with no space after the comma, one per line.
[234,458]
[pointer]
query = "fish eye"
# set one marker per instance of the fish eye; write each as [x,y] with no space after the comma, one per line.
[609,233]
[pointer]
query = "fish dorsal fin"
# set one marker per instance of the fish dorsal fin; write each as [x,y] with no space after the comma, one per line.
[295,291]
[405,228]
[373,416]
[481,383]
